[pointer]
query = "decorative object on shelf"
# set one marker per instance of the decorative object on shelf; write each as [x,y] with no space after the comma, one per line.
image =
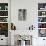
[0,7]
[41,19]
[22,14]
[4,26]
[41,25]
[31,27]
[3,19]
[3,13]
[43,13]
[41,6]
[42,32]
[6,7]
[13,27]
[3,6]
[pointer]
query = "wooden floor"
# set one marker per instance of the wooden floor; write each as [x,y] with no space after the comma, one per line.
[3,45]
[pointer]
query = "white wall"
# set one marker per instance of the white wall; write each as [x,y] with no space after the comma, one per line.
[31,6]
[32,14]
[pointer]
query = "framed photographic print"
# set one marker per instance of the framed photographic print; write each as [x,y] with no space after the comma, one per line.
[22,14]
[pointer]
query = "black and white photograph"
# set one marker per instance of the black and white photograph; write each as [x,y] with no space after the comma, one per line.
[22,13]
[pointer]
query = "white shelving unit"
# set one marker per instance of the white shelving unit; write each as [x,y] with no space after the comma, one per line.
[42,18]
[4,17]
[4,23]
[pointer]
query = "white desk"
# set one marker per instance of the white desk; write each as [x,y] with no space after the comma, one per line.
[20,32]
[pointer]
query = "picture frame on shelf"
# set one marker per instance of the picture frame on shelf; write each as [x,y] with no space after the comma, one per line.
[41,25]
[3,19]
[6,7]
[42,33]
[41,13]
[41,19]
[41,6]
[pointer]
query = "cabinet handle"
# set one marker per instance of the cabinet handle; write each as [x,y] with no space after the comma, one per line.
[1,39]
[43,39]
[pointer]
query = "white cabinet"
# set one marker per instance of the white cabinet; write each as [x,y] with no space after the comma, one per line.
[4,21]
[41,41]
[3,40]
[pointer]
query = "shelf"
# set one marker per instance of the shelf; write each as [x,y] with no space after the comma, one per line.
[3,16]
[3,22]
[3,10]
[41,28]
[41,10]
[42,16]
[41,22]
